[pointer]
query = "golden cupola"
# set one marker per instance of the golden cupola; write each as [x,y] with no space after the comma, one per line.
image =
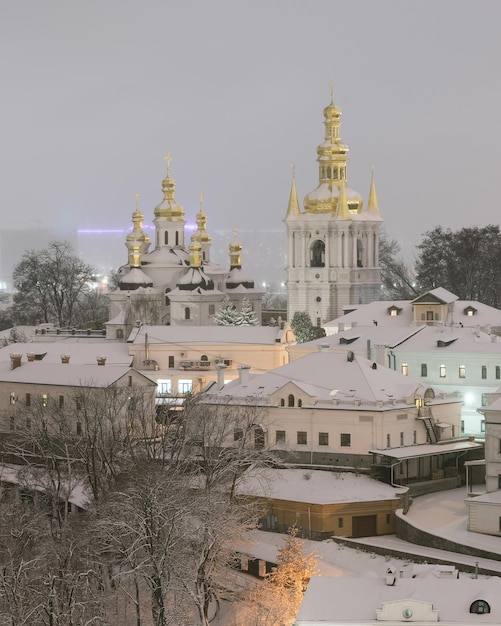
[332,165]
[137,238]
[169,208]
[201,235]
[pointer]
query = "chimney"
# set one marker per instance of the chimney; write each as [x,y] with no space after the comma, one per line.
[101,360]
[30,356]
[243,374]
[65,358]
[220,367]
[15,361]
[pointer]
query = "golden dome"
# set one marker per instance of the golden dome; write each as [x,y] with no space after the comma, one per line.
[169,208]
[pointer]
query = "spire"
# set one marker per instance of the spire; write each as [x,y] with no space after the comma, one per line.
[169,208]
[235,252]
[293,207]
[372,205]
[342,208]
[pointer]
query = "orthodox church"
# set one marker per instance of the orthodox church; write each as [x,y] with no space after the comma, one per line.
[333,244]
[175,283]
[332,256]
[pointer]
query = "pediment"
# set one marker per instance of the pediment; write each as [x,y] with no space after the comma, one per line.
[407,610]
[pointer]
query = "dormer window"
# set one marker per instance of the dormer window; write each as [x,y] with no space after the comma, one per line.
[393,311]
[480,606]
[470,311]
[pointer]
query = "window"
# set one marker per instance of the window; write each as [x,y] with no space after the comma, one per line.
[498,372]
[388,440]
[405,369]
[28,399]
[130,381]
[300,403]
[119,333]
[291,400]
[340,522]
[166,238]
[212,309]
[480,606]
[280,436]
[499,481]
[323,439]
[499,446]
[185,386]
[462,371]
[187,313]
[483,400]
[61,402]
[177,238]
[414,437]
[45,399]
[12,397]
[164,386]
[401,439]
[388,518]
[424,369]
[317,254]
[482,426]
[78,402]
[238,434]
[282,402]
[345,440]
[442,371]
[484,371]
[171,361]
[79,428]
[302,437]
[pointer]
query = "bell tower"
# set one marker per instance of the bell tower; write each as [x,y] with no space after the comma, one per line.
[333,244]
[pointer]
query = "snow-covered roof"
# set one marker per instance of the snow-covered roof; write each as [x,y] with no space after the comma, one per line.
[169,257]
[207,335]
[439,293]
[40,373]
[81,352]
[332,600]
[330,376]
[315,486]
[427,449]
[134,278]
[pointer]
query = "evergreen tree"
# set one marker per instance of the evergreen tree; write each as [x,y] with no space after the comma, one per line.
[247,317]
[303,329]
[227,314]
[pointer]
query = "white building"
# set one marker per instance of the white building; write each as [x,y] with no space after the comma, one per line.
[438,339]
[421,601]
[343,410]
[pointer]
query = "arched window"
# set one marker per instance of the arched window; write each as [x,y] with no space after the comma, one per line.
[177,238]
[300,402]
[282,402]
[360,254]
[317,254]
[204,357]
[187,313]
[166,238]
[291,400]
[480,606]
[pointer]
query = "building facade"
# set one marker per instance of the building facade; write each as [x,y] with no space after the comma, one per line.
[333,244]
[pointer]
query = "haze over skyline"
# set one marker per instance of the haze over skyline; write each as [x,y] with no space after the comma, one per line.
[95,94]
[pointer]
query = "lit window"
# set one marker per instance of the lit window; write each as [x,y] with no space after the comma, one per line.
[302,437]
[323,439]
[405,369]
[393,312]
[280,436]
[12,397]
[345,440]
[442,371]
[462,371]
[45,399]
[184,386]
[164,386]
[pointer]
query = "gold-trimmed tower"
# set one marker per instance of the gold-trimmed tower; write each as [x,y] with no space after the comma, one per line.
[333,244]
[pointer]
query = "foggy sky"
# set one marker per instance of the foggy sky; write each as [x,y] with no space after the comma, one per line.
[96,92]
